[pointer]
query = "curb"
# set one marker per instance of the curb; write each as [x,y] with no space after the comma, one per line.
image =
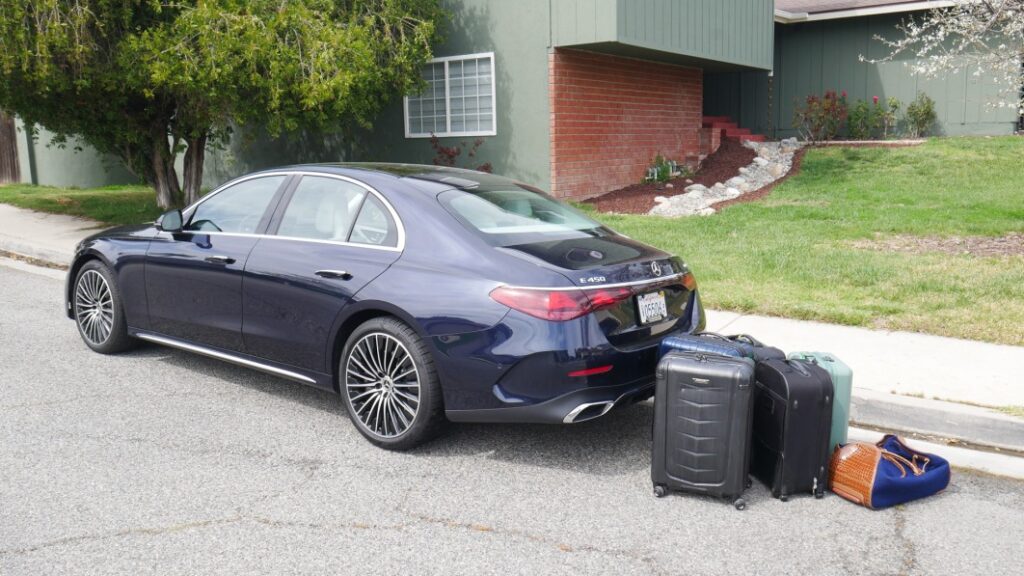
[960,458]
[44,257]
[975,426]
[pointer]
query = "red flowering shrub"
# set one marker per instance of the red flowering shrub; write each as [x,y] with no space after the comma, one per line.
[821,117]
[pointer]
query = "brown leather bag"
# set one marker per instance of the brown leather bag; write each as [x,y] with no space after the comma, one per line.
[853,472]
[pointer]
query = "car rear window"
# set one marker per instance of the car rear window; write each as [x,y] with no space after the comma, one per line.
[514,216]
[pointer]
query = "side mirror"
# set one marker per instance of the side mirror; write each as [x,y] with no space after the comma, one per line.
[169,221]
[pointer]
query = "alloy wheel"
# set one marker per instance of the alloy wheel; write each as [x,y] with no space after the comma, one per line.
[94,307]
[382,384]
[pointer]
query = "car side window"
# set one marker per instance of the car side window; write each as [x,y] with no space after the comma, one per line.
[321,209]
[238,209]
[374,225]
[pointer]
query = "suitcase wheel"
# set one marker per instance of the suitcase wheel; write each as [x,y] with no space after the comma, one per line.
[660,490]
[784,497]
[819,494]
[749,482]
[740,504]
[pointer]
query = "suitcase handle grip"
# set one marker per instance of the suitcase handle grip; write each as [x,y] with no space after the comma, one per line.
[799,367]
[747,339]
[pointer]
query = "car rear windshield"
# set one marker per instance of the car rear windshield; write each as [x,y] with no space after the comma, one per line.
[507,217]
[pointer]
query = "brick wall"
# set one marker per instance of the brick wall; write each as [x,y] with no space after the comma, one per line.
[610,116]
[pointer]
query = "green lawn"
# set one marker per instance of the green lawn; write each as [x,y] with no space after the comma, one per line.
[791,254]
[112,205]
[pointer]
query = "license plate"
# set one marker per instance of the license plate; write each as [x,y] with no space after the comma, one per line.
[652,307]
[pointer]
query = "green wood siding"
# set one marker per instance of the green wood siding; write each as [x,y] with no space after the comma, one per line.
[713,32]
[818,56]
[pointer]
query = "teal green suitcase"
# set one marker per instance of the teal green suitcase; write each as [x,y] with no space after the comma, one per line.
[842,382]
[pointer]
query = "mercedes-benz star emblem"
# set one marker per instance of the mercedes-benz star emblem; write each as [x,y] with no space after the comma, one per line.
[656,268]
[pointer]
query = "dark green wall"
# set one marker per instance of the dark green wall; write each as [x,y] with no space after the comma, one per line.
[816,56]
[518,34]
[729,32]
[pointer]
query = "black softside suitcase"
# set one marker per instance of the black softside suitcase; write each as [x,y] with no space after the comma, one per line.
[761,351]
[702,414]
[792,422]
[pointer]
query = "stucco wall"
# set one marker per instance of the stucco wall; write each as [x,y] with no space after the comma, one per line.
[611,116]
[518,34]
[67,167]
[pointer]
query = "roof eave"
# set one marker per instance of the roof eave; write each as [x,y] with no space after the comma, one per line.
[784,17]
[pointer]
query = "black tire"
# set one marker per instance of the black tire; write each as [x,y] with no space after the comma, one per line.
[429,419]
[117,340]
[740,504]
[660,491]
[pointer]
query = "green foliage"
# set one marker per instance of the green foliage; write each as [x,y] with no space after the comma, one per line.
[797,253]
[130,75]
[662,170]
[114,205]
[858,123]
[821,117]
[920,115]
[875,120]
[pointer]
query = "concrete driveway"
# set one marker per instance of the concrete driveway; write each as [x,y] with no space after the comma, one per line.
[161,462]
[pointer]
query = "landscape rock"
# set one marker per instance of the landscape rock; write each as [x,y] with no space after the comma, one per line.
[773,160]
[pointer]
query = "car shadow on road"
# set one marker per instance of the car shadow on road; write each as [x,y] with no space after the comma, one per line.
[617,443]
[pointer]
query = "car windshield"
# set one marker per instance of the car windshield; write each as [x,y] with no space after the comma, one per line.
[511,216]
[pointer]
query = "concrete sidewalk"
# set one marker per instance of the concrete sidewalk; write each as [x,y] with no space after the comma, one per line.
[50,238]
[905,382]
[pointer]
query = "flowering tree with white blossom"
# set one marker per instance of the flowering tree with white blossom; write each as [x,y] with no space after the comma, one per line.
[984,37]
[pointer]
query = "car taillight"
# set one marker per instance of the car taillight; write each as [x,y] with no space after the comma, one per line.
[689,282]
[559,305]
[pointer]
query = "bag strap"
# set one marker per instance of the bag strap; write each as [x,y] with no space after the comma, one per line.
[715,335]
[900,462]
[915,456]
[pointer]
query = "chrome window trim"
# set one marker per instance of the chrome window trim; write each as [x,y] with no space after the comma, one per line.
[658,280]
[190,210]
[188,347]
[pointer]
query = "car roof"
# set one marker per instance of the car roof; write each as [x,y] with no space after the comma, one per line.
[460,178]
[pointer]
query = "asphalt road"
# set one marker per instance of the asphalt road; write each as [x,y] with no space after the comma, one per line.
[160,462]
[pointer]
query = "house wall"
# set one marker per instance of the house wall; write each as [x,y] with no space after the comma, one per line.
[732,32]
[816,56]
[610,116]
[518,34]
[49,165]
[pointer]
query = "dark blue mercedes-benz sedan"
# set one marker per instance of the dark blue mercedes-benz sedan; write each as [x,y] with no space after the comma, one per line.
[420,294]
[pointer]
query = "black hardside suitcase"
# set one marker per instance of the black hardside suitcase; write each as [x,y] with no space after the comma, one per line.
[702,414]
[792,422]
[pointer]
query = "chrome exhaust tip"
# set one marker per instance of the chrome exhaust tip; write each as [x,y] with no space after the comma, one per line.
[588,411]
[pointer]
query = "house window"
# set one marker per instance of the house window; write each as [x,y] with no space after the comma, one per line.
[458,99]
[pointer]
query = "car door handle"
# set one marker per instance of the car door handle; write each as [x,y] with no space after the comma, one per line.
[220,259]
[334,274]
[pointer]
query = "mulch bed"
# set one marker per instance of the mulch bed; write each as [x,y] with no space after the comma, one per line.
[639,198]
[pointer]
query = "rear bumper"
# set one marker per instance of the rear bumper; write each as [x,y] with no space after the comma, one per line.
[571,408]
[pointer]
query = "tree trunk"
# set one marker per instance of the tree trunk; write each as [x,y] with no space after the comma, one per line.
[164,178]
[195,155]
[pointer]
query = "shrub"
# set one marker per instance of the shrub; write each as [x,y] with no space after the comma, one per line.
[821,118]
[661,170]
[888,115]
[858,123]
[449,155]
[920,115]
